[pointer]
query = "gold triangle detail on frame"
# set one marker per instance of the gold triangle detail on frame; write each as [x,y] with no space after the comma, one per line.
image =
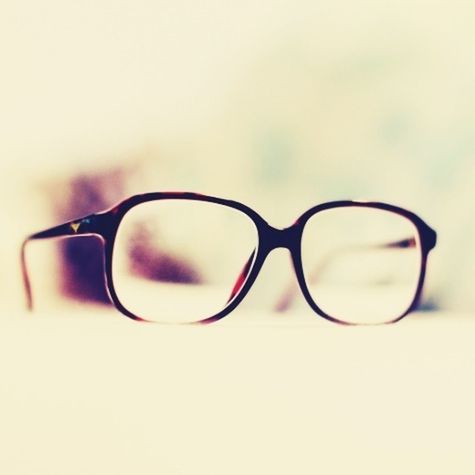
[75,226]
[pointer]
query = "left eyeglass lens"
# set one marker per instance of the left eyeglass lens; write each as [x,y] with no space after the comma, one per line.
[362,265]
[181,260]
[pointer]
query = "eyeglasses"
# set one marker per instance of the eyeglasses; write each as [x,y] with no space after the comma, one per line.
[186,257]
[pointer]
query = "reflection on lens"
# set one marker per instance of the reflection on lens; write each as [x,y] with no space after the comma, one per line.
[361,264]
[181,260]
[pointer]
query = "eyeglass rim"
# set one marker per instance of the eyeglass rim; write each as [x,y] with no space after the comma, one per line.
[427,239]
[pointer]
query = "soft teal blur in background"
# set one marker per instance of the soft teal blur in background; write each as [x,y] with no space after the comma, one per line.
[280,105]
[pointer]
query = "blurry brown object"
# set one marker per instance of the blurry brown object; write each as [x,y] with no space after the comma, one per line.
[81,261]
[149,261]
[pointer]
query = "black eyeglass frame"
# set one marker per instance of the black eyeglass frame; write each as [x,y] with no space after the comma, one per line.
[105,225]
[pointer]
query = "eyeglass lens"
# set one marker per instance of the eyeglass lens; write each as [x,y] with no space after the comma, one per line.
[361,265]
[177,260]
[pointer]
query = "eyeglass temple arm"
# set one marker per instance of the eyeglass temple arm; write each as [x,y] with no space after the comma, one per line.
[242,276]
[74,228]
[288,296]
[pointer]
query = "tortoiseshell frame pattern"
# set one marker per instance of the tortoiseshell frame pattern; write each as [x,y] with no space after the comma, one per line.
[104,225]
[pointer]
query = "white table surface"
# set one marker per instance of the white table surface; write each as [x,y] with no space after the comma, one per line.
[93,393]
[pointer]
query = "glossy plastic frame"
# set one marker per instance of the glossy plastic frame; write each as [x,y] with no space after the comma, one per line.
[104,225]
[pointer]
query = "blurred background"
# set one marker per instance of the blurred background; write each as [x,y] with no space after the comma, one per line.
[279,105]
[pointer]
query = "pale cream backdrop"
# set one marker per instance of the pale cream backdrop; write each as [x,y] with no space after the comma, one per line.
[266,102]
[281,105]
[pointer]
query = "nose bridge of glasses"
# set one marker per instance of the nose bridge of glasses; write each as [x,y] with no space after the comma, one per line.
[275,238]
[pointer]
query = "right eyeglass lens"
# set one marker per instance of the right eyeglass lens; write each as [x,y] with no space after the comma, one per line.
[361,265]
[179,260]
